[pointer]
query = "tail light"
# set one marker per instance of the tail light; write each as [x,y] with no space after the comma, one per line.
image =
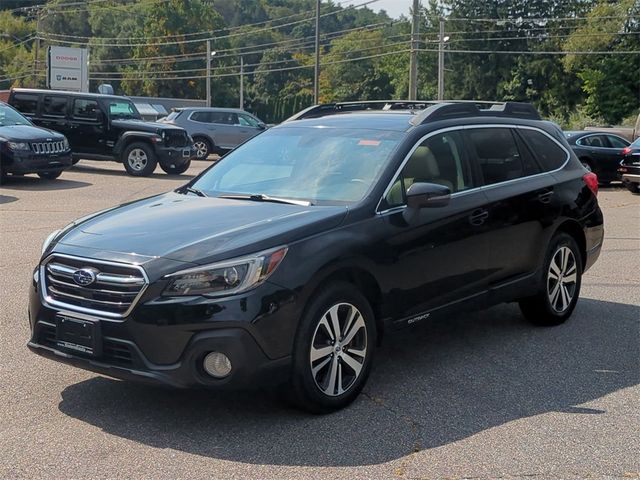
[591,180]
[626,151]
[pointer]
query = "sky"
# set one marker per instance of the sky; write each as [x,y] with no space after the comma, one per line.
[394,8]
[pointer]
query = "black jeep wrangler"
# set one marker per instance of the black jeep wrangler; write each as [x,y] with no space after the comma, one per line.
[107,127]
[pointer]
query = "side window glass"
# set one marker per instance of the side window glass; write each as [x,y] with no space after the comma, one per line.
[232,119]
[247,121]
[549,154]
[440,159]
[616,142]
[85,109]
[218,117]
[594,141]
[200,116]
[54,106]
[497,154]
[25,103]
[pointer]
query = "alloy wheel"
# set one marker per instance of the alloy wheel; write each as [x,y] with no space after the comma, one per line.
[562,279]
[137,159]
[338,349]
[202,149]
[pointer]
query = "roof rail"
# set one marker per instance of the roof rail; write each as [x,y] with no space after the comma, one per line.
[456,109]
[345,107]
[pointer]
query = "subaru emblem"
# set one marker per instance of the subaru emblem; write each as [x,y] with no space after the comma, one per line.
[85,276]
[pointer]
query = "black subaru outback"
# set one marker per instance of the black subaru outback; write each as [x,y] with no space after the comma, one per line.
[25,148]
[107,127]
[285,262]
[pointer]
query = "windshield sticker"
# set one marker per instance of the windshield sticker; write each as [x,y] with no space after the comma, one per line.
[369,143]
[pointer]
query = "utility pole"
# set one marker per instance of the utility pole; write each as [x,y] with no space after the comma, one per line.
[441,41]
[316,73]
[36,48]
[241,82]
[413,61]
[208,73]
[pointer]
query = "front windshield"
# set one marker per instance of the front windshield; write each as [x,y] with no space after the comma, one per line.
[123,109]
[9,117]
[319,165]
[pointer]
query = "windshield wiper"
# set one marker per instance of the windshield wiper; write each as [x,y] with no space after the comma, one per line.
[260,197]
[195,191]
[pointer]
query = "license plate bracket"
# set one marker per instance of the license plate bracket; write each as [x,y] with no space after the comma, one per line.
[186,152]
[77,334]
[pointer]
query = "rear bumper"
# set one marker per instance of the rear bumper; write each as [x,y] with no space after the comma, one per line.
[27,162]
[594,237]
[630,177]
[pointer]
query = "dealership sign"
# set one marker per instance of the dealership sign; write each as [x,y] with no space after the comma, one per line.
[68,69]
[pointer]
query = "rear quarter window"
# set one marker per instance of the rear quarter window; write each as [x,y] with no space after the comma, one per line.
[25,103]
[548,153]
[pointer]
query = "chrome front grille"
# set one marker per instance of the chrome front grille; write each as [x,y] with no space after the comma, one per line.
[113,292]
[48,147]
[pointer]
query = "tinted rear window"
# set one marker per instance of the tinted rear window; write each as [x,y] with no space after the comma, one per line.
[548,153]
[25,102]
[498,155]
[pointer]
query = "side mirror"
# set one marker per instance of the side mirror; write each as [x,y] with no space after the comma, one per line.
[423,195]
[262,126]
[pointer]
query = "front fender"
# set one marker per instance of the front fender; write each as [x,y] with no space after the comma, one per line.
[128,137]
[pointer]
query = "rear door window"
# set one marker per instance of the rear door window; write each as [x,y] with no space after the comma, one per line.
[54,106]
[224,118]
[85,109]
[498,155]
[202,117]
[549,154]
[25,103]
[617,142]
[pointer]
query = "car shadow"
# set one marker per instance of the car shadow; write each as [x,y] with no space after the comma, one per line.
[7,199]
[159,174]
[432,385]
[34,183]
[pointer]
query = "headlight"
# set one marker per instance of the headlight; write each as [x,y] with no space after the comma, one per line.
[18,145]
[65,143]
[48,240]
[226,278]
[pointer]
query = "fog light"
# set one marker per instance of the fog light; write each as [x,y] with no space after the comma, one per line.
[217,364]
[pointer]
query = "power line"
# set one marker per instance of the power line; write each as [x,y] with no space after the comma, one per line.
[255,72]
[524,52]
[200,40]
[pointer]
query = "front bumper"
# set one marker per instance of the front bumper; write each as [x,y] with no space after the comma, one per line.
[631,178]
[124,360]
[175,156]
[165,343]
[21,163]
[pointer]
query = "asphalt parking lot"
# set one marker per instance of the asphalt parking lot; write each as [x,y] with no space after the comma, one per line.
[484,395]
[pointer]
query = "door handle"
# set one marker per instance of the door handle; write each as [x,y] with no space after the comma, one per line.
[545,197]
[478,216]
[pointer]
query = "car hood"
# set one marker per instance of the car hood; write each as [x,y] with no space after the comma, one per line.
[200,230]
[21,133]
[142,126]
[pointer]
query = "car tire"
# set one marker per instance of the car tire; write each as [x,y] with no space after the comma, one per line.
[560,288]
[586,164]
[50,175]
[203,148]
[139,159]
[176,170]
[326,373]
[632,187]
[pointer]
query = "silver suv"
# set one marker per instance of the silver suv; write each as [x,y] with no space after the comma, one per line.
[215,130]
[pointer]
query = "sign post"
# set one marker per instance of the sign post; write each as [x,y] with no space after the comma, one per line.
[68,69]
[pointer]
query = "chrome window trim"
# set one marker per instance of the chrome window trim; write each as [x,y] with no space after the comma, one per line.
[482,187]
[106,316]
